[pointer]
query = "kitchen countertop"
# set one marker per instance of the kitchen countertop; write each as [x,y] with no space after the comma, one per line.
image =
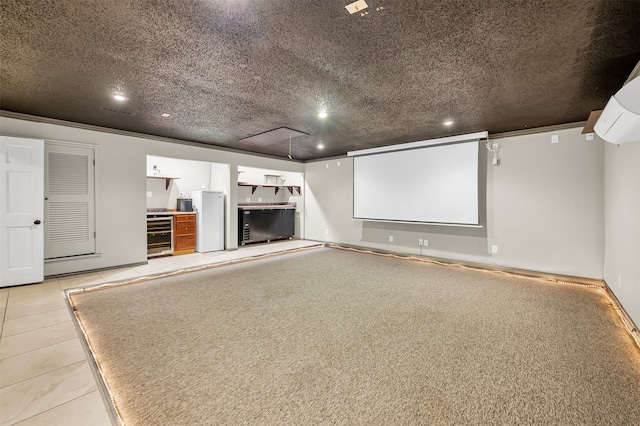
[264,206]
[243,206]
[167,213]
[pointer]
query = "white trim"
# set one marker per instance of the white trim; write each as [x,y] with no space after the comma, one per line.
[457,225]
[411,145]
[80,256]
[109,130]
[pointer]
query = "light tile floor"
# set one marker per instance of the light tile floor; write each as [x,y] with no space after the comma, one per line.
[45,375]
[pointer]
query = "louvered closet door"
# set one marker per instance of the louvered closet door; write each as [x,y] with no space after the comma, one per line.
[69,201]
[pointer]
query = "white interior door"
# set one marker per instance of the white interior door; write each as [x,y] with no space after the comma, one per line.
[21,211]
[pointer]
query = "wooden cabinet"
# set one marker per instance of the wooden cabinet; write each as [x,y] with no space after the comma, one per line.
[184,233]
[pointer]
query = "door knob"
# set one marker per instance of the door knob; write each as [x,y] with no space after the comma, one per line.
[37,222]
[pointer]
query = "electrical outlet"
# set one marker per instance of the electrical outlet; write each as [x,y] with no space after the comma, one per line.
[327,165]
[494,249]
[259,199]
[338,163]
[554,138]
[390,238]
[248,199]
[420,242]
[589,136]
[149,194]
[426,243]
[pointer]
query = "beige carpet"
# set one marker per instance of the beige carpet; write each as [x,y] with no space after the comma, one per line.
[327,336]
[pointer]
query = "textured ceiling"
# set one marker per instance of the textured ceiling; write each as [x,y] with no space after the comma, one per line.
[228,69]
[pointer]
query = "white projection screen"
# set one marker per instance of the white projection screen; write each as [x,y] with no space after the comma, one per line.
[429,184]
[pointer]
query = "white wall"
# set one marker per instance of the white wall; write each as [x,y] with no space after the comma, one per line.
[622,224]
[121,186]
[220,178]
[256,176]
[191,176]
[544,209]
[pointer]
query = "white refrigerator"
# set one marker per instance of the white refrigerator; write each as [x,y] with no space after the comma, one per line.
[209,208]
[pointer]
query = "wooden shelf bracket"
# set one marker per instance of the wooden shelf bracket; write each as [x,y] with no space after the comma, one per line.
[167,180]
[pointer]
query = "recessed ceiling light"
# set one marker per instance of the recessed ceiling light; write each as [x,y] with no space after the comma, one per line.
[323,114]
[165,115]
[320,145]
[448,123]
[120,97]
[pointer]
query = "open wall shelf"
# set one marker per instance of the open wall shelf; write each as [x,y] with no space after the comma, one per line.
[166,179]
[291,188]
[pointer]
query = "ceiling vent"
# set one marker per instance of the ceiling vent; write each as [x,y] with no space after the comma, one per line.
[117,111]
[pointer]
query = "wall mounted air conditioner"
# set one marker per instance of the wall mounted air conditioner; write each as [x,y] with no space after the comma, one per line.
[620,120]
